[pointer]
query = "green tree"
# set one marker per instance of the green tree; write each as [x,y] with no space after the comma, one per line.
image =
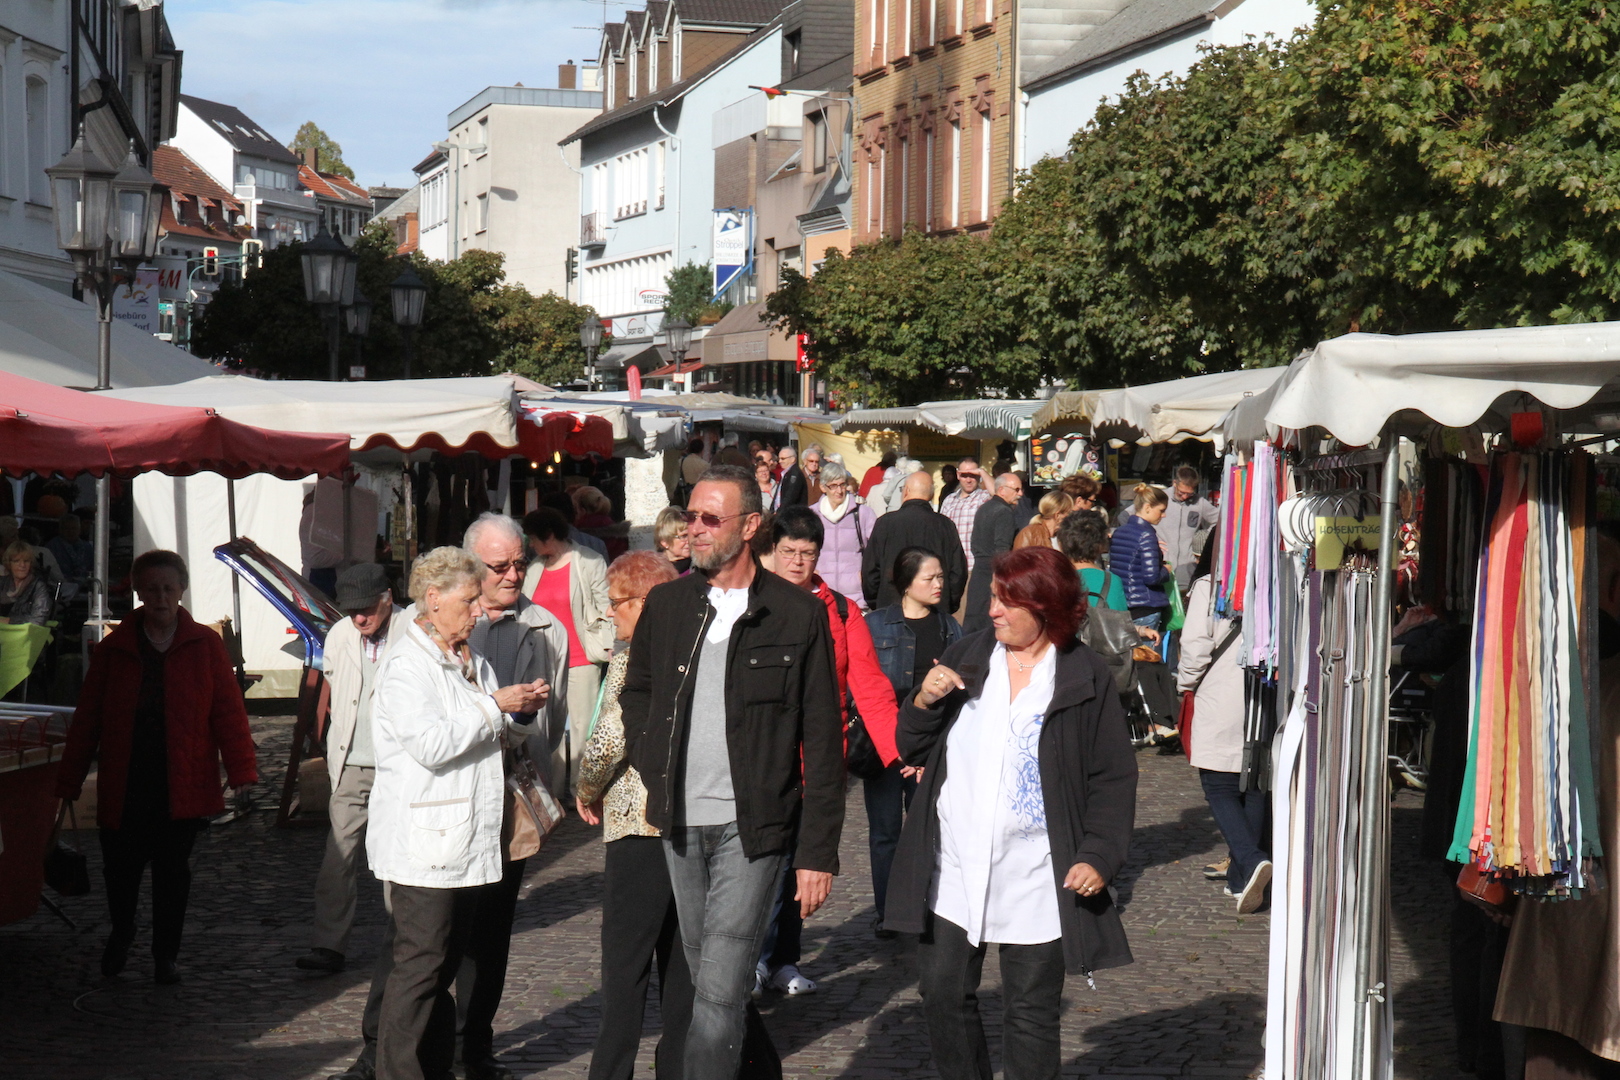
[328,154]
[688,291]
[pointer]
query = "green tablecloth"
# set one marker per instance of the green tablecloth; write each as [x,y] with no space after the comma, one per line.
[20,647]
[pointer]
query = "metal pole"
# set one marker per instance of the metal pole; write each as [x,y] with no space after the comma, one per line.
[410,349]
[236,579]
[1372,875]
[103,285]
[590,367]
[331,317]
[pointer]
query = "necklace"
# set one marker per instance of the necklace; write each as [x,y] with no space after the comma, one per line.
[1021,665]
[165,639]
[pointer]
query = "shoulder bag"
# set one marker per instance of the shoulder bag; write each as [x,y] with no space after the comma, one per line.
[67,871]
[861,757]
[532,812]
[1184,722]
[1111,635]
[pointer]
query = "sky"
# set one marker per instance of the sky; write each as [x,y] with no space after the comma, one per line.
[379,76]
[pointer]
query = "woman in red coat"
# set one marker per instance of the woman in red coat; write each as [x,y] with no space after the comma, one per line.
[160,705]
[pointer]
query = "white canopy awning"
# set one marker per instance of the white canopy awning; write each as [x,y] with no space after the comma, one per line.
[640,428]
[1001,419]
[945,417]
[51,337]
[1165,412]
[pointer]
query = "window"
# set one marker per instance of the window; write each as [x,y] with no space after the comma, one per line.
[36,103]
[957,11]
[630,184]
[599,187]
[874,197]
[905,185]
[675,73]
[652,62]
[953,178]
[930,14]
[483,132]
[983,167]
[790,44]
[818,141]
[633,62]
[483,211]
[660,170]
[906,16]
[928,179]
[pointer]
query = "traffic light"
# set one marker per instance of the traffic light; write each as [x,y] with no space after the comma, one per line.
[252,255]
[571,264]
[210,262]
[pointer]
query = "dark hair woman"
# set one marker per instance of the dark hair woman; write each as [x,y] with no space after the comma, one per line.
[160,706]
[1023,815]
[910,637]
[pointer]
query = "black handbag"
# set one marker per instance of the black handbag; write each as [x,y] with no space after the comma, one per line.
[67,871]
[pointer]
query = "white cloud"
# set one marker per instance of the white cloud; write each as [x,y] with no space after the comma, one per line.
[379,76]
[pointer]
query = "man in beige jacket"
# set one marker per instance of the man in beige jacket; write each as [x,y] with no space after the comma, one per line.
[571,582]
[354,647]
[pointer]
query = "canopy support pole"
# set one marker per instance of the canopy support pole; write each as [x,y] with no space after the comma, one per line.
[236,579]
[1372,960]
[98,596]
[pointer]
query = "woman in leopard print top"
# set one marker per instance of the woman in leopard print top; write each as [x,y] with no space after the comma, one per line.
[639,924]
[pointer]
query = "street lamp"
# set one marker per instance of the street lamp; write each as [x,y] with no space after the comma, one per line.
[409,294]
[359,318]
[590,336]
[107,221]
[679,336]
[329,268]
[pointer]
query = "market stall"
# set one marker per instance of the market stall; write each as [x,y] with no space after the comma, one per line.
[1493,422]
[1164,412]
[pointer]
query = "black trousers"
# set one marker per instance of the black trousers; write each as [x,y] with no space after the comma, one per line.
[948,974]
[482,977]
[124,854]
[416,1031]
[640,928]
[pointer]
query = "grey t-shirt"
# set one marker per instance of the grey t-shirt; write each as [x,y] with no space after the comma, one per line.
[707,795]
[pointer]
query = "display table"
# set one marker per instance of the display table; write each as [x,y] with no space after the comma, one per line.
[32,740]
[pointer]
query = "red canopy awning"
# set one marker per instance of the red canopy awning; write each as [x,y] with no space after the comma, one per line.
[49,429]
[549,430]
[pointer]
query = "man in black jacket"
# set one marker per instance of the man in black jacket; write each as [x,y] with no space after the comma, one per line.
[915,524]
[731,685]
[995,527]
[792,490]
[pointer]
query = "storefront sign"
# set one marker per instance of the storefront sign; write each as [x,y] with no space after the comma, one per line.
[732,246]
[136,304]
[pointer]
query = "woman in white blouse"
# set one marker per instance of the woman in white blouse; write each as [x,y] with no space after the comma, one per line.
[1023,816]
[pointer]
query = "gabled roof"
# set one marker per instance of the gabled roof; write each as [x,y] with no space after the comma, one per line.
[1137,26]
[332,186]
[670,94]
[245,135]
[427,164]
[728,12]
[657,16]
[634,22]
[177,172]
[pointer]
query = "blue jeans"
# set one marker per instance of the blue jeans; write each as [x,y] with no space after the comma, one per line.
[1241,817]
[724,900]
[888,797]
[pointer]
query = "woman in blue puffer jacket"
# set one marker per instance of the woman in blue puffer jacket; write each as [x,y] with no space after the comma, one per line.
[1136,555]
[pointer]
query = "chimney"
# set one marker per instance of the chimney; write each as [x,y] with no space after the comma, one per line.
[310,157]
[565,75]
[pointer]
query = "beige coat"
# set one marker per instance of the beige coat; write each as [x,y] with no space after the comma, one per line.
[1217,730]
[1562,968]
[343,657]
[587,586]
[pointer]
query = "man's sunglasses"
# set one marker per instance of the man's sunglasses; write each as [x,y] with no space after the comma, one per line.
[710,521]
[502,569]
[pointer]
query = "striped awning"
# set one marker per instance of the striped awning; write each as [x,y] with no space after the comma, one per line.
[1001,419]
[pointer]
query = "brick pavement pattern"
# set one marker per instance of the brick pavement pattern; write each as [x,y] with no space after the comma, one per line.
[1192,1005]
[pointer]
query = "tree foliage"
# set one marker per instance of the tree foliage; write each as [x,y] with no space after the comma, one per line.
[688,290]
[1403,166]
[328,154]
[473,322]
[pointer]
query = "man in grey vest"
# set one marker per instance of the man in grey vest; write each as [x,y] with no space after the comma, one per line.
[354,648]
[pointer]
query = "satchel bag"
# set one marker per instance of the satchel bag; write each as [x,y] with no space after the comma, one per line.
[532,812]
[1184,722]
[67,871]
[1112,635]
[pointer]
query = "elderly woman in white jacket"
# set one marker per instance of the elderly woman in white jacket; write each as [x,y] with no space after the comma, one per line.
[437,802]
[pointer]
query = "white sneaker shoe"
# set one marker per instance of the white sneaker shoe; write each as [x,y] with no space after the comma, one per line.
[759,981]
[1254,893]
[788,980]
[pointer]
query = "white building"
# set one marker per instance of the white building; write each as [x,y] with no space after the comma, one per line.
[1076,53]
[433,205]
[245,159]
[111,64]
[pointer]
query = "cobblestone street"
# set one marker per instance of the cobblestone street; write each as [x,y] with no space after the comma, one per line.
[1191,1005]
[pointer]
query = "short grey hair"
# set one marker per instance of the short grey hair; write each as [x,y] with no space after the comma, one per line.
[1006,480]
[486,521]
[832,472]
[814,448]
[444,568]
[744,481]
[789,451]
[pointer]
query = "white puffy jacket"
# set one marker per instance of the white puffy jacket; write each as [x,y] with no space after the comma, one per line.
[439,793]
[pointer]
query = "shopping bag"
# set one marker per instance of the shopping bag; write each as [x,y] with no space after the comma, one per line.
[67,871]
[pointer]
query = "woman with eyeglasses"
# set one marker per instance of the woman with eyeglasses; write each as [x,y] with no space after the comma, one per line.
[765,477]
[639,924]
[847,523]
[669,534]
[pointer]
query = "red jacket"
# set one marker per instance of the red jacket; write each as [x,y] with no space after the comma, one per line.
[205,718]
[859,674]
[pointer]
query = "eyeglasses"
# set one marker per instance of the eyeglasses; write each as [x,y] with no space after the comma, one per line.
[710,521]
[615,601]
[788,555]
[502,569]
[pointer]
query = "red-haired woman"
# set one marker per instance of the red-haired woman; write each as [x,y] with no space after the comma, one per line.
[1023,815]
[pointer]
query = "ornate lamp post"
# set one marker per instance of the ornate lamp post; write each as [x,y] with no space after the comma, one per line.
[329,268]
[679,336]
[107,222]
[409,294]
[590,336]
[359,319]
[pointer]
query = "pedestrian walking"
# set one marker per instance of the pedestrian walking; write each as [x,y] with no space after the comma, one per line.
[1136,555]
[640,927]
[797,541]
[811,462]
[1042,530]
[847,524]
[1188,518]
[909,638]
[915,524]
[570,582]
[995,528]
[1211,670]
[731,718]
[874,475]
[1022,818]
[792,489]
[159,708]
[437,804]
[962,505]
[353,651]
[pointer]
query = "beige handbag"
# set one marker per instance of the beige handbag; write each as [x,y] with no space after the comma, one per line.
[532,812]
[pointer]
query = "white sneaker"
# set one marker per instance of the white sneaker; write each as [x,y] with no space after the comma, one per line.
[788,980]
[1254,893]
[759,981]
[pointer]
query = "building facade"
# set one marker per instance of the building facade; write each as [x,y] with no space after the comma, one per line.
[199,214]
[343,205]
[263,174]
[111,65]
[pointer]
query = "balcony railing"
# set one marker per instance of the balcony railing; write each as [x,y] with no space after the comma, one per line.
[593,229]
